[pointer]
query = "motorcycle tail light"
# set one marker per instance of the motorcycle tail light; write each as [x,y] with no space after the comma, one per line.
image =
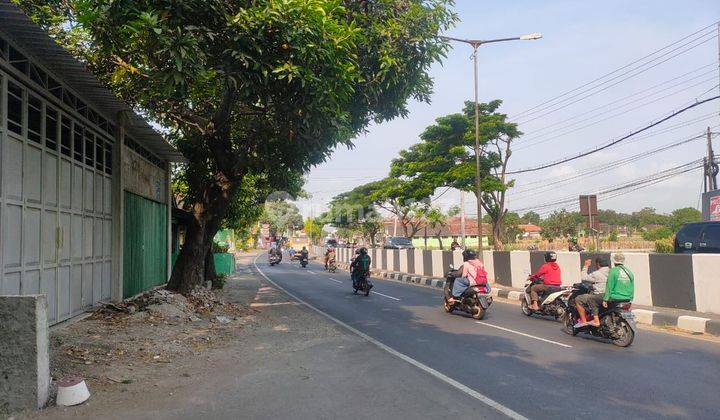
[625,306]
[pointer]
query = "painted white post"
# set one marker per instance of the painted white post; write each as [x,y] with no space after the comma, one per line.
[118,208]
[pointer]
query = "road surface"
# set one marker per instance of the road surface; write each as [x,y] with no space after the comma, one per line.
[510,364]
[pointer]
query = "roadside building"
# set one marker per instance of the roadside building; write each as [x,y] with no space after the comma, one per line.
[84,212]
[530,230]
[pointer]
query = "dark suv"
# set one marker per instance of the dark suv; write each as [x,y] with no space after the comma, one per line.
[398,242]
[700,237]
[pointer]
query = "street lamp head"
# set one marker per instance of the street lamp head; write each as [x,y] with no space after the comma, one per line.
[534,35]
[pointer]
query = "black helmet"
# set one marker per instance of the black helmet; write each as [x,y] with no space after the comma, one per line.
[550,256]
[469,254]
[363,250]
[357,251]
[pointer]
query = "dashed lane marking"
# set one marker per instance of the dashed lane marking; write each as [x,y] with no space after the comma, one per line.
[448,380]
[524,335]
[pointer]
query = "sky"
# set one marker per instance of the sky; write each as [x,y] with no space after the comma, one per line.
[581,42]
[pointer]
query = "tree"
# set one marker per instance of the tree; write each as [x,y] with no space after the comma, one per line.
[647,216]
[255,88]
[511,231]
[407,200]
[531,218]
[559,224]
[684,215]
[354,212]
[282,216]
[313,229]
[445,156]
[436,220]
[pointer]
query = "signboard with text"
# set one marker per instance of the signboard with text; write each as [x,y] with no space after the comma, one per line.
[711,206]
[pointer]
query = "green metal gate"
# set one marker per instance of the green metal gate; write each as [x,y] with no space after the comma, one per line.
[145,244]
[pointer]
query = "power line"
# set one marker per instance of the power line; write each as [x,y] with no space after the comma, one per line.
[549,101]
[614,142]
[600,168]
[712,70]
[614,84]
[616,190]
[568,128]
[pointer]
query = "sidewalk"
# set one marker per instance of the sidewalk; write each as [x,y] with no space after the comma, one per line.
[280,360]
[688,321]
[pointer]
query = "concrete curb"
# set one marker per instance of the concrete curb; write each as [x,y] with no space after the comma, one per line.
[687,323]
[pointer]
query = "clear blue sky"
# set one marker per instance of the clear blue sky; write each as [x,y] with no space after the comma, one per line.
[581,41]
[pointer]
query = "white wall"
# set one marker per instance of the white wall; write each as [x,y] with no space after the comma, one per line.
[706,275]
[519,267]
[639,264]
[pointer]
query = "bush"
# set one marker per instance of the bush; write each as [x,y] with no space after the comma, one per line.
[220,248]
[665,246]
[613,237]
[219,281]
[657,234]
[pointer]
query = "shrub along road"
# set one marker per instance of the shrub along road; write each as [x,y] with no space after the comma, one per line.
[519,366]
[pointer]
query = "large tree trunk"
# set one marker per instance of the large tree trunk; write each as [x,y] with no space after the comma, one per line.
[189,271]
[497,235]
[210,273]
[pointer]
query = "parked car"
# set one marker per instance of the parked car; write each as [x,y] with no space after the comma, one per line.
[699,237]
[331,243]
[398,242]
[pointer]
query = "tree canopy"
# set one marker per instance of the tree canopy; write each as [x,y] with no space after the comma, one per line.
[254,89]
[445,157]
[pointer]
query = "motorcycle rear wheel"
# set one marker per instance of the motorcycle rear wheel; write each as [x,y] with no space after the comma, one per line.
[448,307]
[367,289]
[627,337]
[525,308]
[478,312]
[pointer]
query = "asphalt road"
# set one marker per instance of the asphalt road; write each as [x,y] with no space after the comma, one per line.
[520,364]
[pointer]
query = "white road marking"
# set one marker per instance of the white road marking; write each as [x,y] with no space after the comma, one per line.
[389,297]
[311,272]
[524,335]
[336,281]
[448,380]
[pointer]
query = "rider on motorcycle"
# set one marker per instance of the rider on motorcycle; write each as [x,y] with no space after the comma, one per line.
[598,279]
[275,251]
[620,283]
[329,256]
[360,265]
[551,280]
[303,253]
[472,273]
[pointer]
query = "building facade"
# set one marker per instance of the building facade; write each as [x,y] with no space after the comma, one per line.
[84,181]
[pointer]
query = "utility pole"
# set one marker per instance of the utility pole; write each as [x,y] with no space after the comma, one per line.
[710,166]
[475,44]
[462,217]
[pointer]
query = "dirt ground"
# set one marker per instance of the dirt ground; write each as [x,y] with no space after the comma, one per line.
[164,341]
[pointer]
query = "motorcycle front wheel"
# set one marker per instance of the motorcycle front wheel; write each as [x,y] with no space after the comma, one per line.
[525,308]
[568,324]
[627,335]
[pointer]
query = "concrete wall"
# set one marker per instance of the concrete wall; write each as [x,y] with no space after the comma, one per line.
[682,281]
[24,353]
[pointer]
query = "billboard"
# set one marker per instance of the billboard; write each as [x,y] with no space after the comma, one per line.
[711,206]
[588,205]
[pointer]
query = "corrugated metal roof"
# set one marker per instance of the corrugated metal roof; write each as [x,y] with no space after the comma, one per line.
[45,51]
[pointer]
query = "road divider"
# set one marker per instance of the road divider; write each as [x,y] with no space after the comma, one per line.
[658,317]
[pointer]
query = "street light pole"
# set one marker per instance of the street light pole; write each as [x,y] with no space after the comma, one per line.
[475,44]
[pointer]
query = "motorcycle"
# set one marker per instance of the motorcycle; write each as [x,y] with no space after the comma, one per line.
[475,300]
[362,284]
[617,322]
[274,259]
[303,261]
[332,267]
[552,304]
